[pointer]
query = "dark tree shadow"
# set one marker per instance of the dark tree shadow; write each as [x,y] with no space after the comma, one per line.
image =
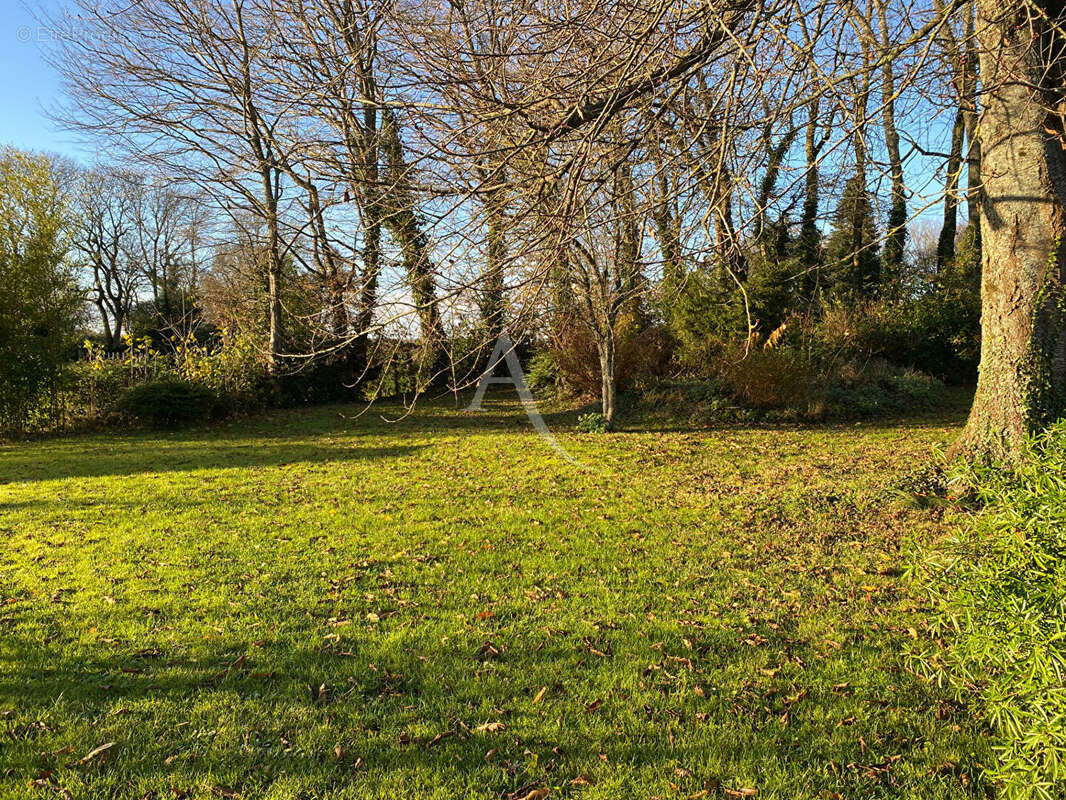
[416,711]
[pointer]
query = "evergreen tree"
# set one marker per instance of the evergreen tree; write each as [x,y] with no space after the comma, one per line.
[852,256]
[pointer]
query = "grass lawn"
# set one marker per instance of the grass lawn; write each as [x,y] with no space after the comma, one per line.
[317,605]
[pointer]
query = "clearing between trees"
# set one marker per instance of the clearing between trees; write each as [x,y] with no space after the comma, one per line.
[320,604]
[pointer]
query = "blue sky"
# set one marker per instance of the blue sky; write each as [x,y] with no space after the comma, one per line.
[28,86]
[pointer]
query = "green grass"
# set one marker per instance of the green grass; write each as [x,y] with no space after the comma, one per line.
[314,605]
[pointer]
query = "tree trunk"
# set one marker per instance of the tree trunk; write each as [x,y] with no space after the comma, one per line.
[403,223]
[973,172]
[116,334]
[809,233]
[964,146]
[945,247]
[863,283]
[668,230]
[340,321]
[106,322]
[1022,377]
[274,321]
[727,241]
[766,190]
[273,316]
[368,293]
[896,237]
[605,345]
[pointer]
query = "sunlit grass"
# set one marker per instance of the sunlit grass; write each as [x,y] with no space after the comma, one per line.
[316,604]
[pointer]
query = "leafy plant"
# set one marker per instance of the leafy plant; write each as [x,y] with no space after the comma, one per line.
[592,422]
[1000,593]
[40,307]
[855,392]
[543,373]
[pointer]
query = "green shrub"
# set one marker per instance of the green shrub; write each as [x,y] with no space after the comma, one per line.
[100,386]
[170,402]
[1000,595]
[706,312]
[854,392]
[543,374]
[592,422]
[690,403]
[936,332]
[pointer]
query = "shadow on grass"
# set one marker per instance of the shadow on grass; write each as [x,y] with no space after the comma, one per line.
[348,433]
[382,712]
[94,457]
[278,438]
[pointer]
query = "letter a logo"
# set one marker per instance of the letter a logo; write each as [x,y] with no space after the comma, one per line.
[504,352]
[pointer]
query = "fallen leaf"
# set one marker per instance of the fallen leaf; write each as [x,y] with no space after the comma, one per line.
[96,751]
[439,736]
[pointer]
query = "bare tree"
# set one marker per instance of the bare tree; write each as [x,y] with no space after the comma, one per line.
[960,72]
[601,231]
[176,84]
[105,226]
[539,142]
[896,235]
[166,224]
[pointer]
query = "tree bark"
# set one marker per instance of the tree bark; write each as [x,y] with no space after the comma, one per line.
[1022,377]
[896,237]
[767,186]
[260,146]
[368,292]
[608,388]
[116,332]
[973,172]
[109,335]
[668,230]
[403,223]
[945,247]
[862,284]
[810,236]
[274,319]
[962,61]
